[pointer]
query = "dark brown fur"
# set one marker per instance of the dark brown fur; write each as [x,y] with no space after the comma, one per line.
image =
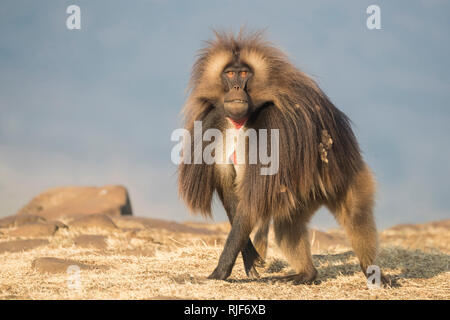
[288,100]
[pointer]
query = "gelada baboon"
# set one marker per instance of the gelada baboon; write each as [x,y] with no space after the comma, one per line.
[245,82]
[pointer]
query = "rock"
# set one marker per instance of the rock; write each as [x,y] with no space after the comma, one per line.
[442,224]
[21,245]
[35,230]
[97,221]
[55,265]
[321,241]
[76,201]
[91,241]
[16,221]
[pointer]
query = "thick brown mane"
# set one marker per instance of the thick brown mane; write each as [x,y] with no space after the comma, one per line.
[289,101]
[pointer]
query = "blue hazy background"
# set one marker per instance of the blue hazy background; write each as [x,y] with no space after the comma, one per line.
[97,106]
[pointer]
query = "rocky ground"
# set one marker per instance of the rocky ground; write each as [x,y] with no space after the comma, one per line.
[100,256]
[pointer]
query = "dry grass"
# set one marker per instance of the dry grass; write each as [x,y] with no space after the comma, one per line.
[175,265]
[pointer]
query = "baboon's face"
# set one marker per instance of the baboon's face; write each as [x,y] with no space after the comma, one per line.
[236,78]
[237,82]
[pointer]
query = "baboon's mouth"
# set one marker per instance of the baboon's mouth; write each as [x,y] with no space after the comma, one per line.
[237,101]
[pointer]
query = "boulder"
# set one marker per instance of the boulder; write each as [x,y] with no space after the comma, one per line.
[77,201]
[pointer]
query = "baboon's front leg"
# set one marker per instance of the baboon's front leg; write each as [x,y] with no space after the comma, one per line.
[249,253]
[236,241]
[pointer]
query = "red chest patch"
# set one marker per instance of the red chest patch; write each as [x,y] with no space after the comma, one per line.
[237,125]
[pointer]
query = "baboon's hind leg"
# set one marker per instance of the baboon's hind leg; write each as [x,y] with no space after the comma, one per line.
[260,241]
[291,236]
[354,212]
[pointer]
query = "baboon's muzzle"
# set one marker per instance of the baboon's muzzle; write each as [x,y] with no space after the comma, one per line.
[236,103]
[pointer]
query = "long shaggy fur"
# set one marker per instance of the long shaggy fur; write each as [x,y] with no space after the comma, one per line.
[289,101]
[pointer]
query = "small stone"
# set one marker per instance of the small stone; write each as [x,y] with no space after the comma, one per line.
[98,221]
[19,220]
[139,252]
[128,223]
[186,278]
[34,230]
[21,245]
[55,265]
[59,224]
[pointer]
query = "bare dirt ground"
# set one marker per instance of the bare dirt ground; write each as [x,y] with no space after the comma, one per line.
[137,258]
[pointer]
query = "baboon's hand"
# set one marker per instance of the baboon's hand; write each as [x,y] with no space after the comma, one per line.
[219,274]
[251,259]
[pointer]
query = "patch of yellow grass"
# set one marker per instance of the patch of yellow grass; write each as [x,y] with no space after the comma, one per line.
[181,263]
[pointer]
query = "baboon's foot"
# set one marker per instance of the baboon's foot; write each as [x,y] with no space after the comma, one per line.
[260,263]
[219,274]
[251,259]
[388,282]
[299,278]
[252,273]
[385,281]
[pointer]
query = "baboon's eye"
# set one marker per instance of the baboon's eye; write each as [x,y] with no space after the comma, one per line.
[244,74]
[230,74]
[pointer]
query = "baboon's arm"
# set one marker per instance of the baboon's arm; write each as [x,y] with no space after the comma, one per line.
[237,239]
